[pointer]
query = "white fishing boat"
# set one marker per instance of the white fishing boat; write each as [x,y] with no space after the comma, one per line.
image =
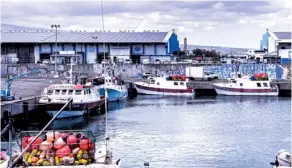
[283,160]
[175,86]
[85,99]
[258,85]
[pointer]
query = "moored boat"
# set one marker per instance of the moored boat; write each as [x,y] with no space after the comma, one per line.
[258,84]
[85,98]
[115,87]
[173,85]
[283,160]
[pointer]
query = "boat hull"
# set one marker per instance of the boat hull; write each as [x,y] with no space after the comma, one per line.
[163,91]
[67,114]
[244,92]
[114,94]
[78,109]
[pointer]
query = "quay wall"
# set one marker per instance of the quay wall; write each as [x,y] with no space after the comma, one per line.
[133,70]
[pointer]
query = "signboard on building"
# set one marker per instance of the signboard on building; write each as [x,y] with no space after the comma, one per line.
[67,52]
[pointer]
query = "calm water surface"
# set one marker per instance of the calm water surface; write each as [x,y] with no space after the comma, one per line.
[231,132]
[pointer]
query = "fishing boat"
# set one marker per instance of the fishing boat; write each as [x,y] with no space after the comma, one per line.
[259,84]
[283,160]
[85,99]
[176,85]
[115,87]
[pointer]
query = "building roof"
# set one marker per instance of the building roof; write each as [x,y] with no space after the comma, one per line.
[283,35]
[85,37]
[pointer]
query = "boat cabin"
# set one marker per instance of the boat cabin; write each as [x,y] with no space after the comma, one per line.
[166,82]
[69,90]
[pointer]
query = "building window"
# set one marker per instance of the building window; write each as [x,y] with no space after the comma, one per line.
[181,83]
[175,83]
[259,84]
[265,84]
[241,84]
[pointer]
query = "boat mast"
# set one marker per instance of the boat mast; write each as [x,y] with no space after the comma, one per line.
[105,90]
[71,69]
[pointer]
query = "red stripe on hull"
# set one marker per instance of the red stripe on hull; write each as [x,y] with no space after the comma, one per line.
[246,90]
[75,106]
[189,90]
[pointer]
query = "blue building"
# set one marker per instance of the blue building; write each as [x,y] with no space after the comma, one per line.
[277,44]
[89,47]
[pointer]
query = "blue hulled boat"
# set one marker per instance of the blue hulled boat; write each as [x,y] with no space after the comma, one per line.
[115,87]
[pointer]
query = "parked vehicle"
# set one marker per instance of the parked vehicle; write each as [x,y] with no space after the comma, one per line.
[105,62]
[147,74]
[165,62]
[46,61]
[128,61]
[210,75]
[173,62]
[157,61]
[145,61]
[198,73]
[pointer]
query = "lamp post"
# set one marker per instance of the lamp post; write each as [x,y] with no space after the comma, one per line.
[56,72]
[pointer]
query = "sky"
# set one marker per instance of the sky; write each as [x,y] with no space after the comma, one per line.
[215,23]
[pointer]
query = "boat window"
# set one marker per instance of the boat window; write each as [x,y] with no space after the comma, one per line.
[241,84]
[64,92]
[50,92]
[70,92]
[175,83]
[233,81]
[57,92]
[259,84]
[85,91]
[265,84]
[89,91]
[157,83]
[77,92]
[181,83]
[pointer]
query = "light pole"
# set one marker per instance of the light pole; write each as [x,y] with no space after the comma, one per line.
[56,72]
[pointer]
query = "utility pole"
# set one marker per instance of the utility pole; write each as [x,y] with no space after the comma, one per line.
[56,72]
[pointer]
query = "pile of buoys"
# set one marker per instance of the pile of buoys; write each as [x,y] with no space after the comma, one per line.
[260,76]
[177,77]
[59,149]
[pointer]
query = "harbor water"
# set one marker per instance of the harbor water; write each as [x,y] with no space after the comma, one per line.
[201,132]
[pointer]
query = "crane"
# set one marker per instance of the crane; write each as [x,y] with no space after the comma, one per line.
[6,93]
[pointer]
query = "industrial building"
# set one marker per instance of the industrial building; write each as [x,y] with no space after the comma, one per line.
[88,47]
[277,46]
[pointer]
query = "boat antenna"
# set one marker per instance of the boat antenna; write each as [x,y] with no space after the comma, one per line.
[105,91]
[71,69]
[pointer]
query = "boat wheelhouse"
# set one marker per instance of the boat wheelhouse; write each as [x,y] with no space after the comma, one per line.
[85,98]
[173,85]
[115,87]
[258,84]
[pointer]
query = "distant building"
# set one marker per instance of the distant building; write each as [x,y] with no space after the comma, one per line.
[87,47]
[279,43]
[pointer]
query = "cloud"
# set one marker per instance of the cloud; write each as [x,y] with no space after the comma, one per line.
[227,23]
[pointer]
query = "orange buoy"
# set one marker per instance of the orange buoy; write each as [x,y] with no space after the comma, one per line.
[51,136]
[63,151]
